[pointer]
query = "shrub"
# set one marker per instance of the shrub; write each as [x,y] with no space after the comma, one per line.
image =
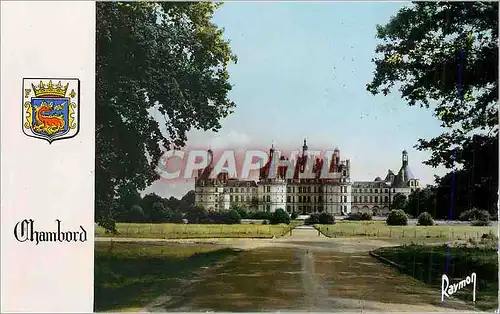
[474,214]
[313,219]
[359,216]
[242,212]
[176,217]
[232,217]
[480,223]
[259,215]
[295,215]
[425,219]
[197,215]
[280,216]
[397,217]
[265,222]
[326,219]
[489,236]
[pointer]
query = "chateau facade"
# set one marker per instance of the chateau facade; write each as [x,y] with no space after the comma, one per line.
[338,196]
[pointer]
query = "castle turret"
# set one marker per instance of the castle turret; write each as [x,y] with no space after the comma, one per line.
[405,158]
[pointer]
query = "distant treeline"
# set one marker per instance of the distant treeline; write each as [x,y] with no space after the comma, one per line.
[152,208]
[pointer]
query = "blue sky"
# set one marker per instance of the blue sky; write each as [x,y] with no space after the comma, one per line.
[301,73]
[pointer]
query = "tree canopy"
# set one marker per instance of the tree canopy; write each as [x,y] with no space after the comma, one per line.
[167,58]
[444,56]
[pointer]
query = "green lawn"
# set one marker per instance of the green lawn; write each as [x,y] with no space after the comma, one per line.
[185,231]
[429,263]
[380,229]
[128,276]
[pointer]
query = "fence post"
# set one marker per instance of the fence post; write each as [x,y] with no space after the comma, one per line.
[415,233]
[430,270]
[403,233]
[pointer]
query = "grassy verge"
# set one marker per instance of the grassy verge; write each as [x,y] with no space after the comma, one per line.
[190,231]
[429,263]
[380,229]
[128,276]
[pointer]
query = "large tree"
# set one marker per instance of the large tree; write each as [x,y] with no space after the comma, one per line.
[167,58]
[444,56]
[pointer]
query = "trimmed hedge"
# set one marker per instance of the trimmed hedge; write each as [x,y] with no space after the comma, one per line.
[397,217]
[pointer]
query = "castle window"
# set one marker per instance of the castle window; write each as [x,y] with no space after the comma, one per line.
[309,189]
[288,189]
[230,198]
[376,199]
[376,190]
[288,199]
[236,198]
[393,190]
[355,199]
[366,199]
[371,199]
[293,189]
[248,198]
[386,199]
[268,198]
[237,190]
[231,190]
[385,190]
[300,199]
[371,190]
[248,189]
[345,199]
[300,189]
[309,199]
[268,189]
[320,198]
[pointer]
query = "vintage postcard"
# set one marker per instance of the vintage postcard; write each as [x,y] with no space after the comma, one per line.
[251,157]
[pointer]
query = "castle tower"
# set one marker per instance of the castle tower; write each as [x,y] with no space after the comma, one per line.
[210,158]
[405,158]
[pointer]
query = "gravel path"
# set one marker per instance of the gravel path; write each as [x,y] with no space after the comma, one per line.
[301,272]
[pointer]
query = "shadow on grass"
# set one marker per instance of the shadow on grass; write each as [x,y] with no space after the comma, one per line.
[131,276]
[429,263]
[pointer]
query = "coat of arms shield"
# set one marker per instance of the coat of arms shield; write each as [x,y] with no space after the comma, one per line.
[51,108]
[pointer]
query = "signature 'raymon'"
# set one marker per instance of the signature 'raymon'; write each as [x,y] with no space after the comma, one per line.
[448,289]
[25,231]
